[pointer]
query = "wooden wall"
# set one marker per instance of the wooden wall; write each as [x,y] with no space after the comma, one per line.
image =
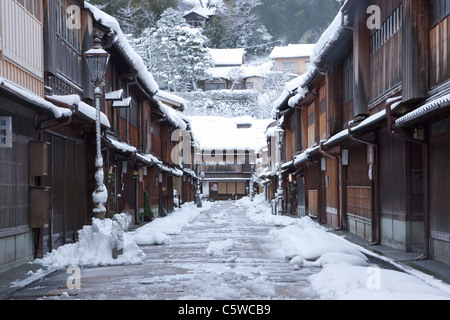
[386,49]
[439,52]
[312,177]
[311,121]
[392,176]
[331,186]
[440,188]
[322,112]
[21,46]
[63,49]
[359,186]
[67,179]
[14,186]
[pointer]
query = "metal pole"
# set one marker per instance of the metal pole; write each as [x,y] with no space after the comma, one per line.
[280,183]
[100,194]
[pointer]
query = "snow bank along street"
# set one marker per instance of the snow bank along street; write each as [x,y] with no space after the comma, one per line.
[223,251]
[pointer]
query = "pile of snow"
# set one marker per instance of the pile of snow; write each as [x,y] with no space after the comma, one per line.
[95,245]
[346,272]
[219,247]
[350,282]
[303,241]
[158,231]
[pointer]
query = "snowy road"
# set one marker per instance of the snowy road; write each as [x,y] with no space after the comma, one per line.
[224,251]
[221,255]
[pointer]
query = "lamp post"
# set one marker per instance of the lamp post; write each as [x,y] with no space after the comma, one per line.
[97,60]
[198,159]
[279,133]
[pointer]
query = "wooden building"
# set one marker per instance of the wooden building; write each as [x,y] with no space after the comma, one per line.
[47,123]
[227,151]
[27,162]
[139,144]
[293,58]
[199,17]
[373,124]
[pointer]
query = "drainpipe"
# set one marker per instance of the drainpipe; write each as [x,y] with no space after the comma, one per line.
[375,220]
[340,199]
[426,177]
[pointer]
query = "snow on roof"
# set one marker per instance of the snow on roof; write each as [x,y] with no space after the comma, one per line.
[203,12]
[120,40]
[58,112]
[149,158]
[173,115]
[80,106]
[295,86]
[125,147]
[174,171]
[292,51]
[122,146]
[328,38]
[124,103]
[217,133]
[228,57]
[114,95]
[168,97]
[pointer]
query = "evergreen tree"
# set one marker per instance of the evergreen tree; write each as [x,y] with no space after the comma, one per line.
[175,52]
[128,16]
[139,14]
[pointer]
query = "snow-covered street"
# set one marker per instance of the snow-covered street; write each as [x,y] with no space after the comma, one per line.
[229,251]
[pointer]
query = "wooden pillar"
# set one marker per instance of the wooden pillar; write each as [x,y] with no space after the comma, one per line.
[415,41]
[361,69]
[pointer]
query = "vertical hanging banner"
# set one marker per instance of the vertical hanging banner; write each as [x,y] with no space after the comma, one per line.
[6,132]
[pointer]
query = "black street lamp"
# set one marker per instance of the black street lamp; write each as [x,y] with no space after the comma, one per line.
[97,60]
